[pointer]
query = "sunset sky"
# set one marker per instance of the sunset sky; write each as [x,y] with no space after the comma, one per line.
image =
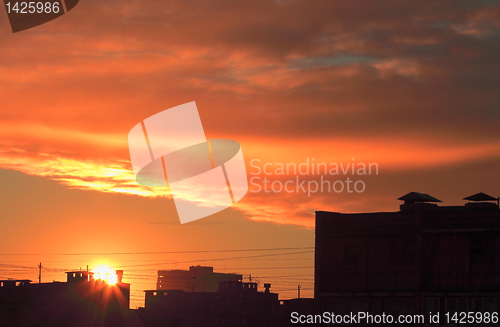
[412,86]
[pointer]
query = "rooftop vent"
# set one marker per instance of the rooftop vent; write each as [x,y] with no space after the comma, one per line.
[481,197]
[414,197]
[418,201]
[482,201]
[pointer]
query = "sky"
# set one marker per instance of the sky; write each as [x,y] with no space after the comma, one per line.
[410,87]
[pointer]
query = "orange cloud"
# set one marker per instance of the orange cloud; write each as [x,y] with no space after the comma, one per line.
[289,80]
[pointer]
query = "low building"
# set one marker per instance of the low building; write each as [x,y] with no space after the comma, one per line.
[196,279]
[234,304]
[81,301]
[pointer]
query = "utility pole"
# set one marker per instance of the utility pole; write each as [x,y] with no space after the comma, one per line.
[40,273]
[298,292]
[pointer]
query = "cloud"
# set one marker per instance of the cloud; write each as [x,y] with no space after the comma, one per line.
[411,86]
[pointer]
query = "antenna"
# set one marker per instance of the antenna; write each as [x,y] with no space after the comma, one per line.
[298,292]
[40,273]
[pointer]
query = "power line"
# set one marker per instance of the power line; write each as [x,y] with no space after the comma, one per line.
[217,259]
[22,269]
[162,252]
[273,267]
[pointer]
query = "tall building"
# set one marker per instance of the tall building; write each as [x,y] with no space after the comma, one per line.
[423,258]
[196,279]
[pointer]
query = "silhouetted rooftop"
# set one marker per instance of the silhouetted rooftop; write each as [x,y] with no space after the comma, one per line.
[15,280]
[480,197]
[418,197]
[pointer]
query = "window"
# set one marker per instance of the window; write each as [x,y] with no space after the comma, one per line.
[13,314]
[350,255]
[482,249]
[402,252]
[431,304]
[458,304]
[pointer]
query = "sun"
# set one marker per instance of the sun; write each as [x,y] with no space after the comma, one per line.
[106,274]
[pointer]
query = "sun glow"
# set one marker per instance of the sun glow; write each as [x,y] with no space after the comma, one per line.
[106,274]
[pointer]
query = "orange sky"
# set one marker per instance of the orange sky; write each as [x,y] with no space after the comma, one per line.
[410,86]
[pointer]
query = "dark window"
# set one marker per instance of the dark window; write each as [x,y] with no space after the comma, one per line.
[46,315]
[402,252]
[431,304]
[13,314]
[350,255]
[458,304]
[482,249]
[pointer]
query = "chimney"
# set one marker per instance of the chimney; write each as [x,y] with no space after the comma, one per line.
[119,276]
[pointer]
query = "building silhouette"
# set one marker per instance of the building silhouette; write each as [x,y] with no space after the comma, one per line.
[80,301]
[423,258]
[83,301]
[234,304]
[196,279]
